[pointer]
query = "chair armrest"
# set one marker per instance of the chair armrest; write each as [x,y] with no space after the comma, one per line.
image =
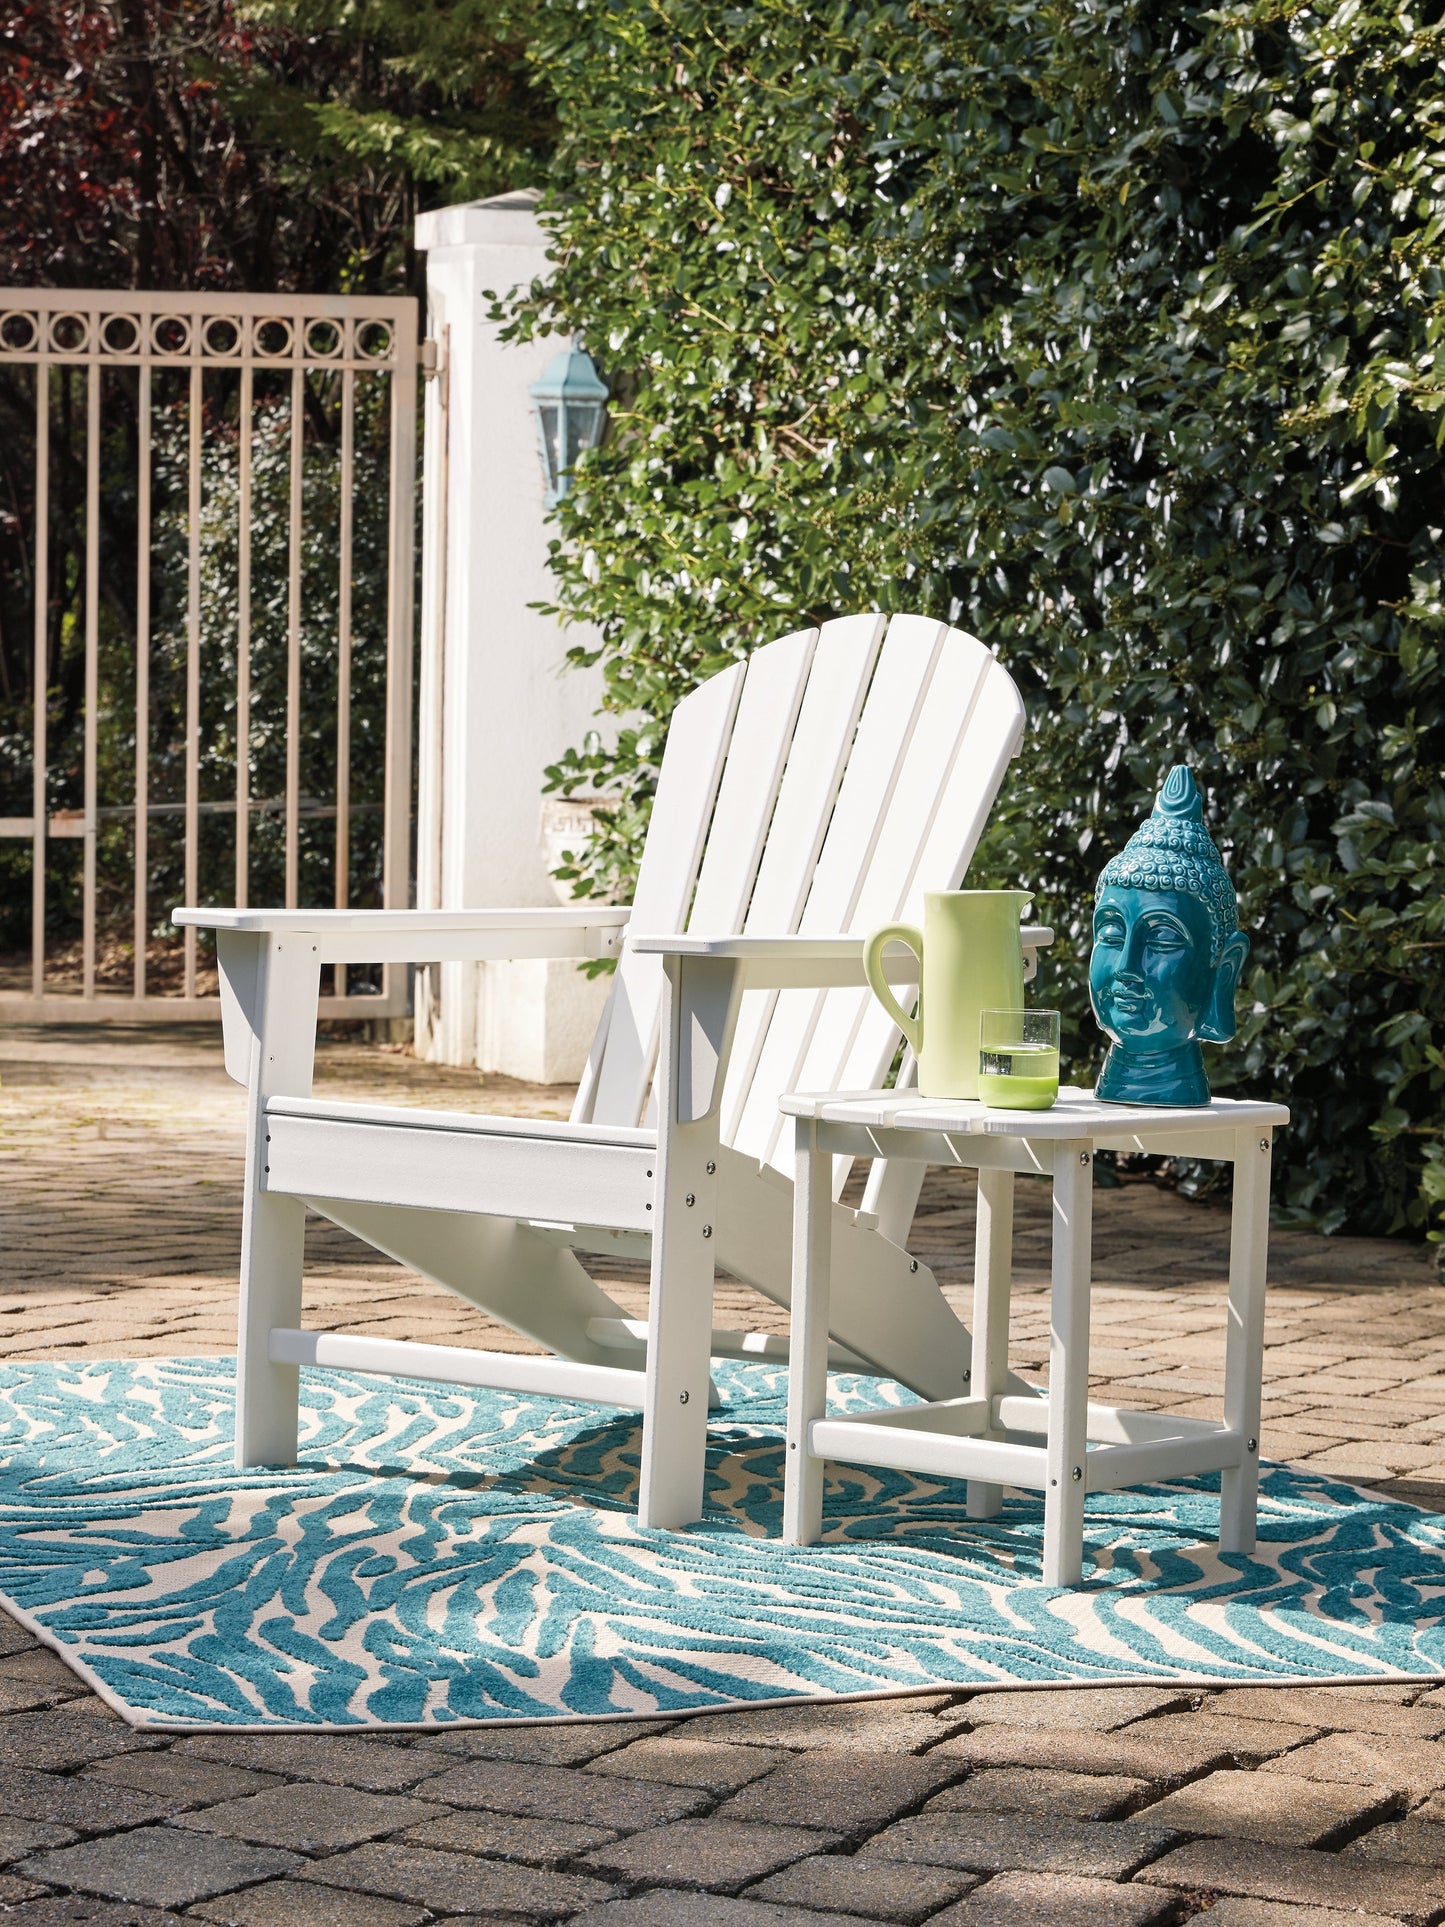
[430,936]
[806,963]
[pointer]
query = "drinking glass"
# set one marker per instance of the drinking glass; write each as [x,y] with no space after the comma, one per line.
[1018,1059]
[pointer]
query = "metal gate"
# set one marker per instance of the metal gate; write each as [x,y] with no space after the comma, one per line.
[210,538]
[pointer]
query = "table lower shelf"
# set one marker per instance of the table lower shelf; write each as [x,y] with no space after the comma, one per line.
[944,1440]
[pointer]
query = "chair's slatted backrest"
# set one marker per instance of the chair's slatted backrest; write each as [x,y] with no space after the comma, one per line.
[846,654]
[687,786]
[823,787]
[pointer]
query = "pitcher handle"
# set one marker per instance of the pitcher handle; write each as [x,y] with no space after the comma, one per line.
[912,936]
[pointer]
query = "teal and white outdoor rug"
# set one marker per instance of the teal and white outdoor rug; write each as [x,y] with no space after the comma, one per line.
[442,1555]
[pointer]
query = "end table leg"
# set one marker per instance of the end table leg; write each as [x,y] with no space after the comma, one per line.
[808,1346]
[992,1279]
[1068,1364]
[1244,1346]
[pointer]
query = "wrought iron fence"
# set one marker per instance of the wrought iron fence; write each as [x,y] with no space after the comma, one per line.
[207,587]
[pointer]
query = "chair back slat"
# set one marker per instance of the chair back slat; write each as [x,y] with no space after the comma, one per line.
[843,663]
[767,714]
[687,787]
[880,748]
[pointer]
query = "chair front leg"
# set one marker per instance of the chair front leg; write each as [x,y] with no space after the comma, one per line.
[699,1009]
[273,1226]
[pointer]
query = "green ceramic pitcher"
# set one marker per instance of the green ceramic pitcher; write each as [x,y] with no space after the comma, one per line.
[971,959]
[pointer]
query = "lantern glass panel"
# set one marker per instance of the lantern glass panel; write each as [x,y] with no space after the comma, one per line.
[584,428]
[549,425]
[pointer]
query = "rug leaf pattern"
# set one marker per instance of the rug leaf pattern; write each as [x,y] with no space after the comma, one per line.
[442,1554]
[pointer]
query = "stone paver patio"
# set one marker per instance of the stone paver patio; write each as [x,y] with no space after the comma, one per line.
[120,1157]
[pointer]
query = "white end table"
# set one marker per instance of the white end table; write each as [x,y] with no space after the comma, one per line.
[989,1435]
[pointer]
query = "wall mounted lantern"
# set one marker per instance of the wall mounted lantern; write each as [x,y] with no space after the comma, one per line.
[569,402]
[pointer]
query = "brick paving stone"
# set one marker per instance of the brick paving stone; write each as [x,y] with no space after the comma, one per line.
[1022,1843]
[872,1726]
[310,1819]
[1299,1874]
[1335,1712]
[292,1903]
[337,1759]
[1249,1741]
[708,1910]
[15,1639]
[14,1887]
[1155,1750]
[1379,1692]
[158,1865]
[557,1793]
[857,1885]
[21,1696]
[1097,1709]
[1234,1912]
[65,1736]
[1420,1841]
[454,1883]
[178,1779]
[1056,1900]
[1068,1796]
[1280,1807]
[1415,1767]
[81,1803]
[847,1792]
[545,1745]
[508,1836]
[721,1855]
[38,1666]
[19,1837]
[85,1910]
[720,1766]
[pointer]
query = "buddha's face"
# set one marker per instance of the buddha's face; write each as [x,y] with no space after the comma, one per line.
[1151,974]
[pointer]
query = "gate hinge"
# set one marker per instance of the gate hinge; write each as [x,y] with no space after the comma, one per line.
[428,354]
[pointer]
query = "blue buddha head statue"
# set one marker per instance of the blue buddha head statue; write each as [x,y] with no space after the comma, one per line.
[1167,956]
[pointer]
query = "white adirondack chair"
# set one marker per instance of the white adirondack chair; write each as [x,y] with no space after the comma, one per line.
[806,796]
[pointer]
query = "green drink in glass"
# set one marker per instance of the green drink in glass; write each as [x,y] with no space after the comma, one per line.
[1018,1059]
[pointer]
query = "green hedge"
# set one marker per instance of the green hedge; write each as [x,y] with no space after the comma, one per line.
[1114,334]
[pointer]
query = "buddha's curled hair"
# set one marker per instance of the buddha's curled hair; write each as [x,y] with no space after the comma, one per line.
[1172,850]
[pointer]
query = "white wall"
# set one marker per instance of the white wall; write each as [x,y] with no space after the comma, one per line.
[495,706]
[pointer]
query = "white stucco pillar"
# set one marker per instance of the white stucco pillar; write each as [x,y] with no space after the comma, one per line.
[496,706]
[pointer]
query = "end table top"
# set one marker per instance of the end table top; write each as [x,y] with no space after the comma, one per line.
[1076,1114]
